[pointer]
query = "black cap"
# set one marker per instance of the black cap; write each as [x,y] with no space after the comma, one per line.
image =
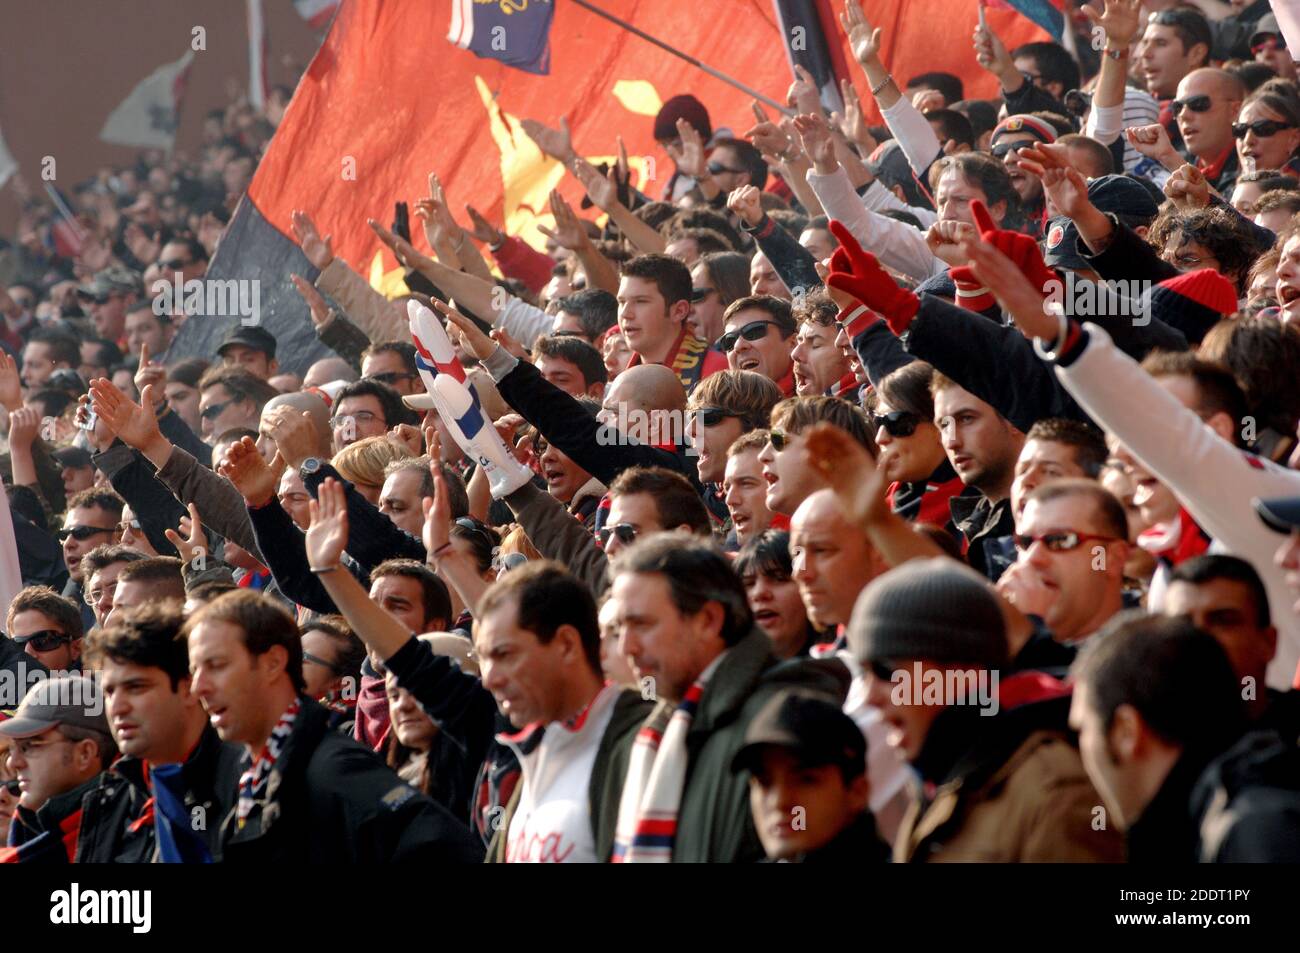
[812,725]
[72,457]
[250,335]
[1279,513]
[1121,194]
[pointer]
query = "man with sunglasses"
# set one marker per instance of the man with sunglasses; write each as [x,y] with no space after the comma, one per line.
[721,410]
[61,743]
[231,398]
[47,627]
[156,720]
[186,255]
[1207,104]
[91,520]
[1268,46]
[107,297]
[392,363]
[758,336]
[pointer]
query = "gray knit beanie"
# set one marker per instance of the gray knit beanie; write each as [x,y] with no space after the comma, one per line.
[929,609]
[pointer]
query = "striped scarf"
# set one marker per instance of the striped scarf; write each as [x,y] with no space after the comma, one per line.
[656,777]
[252,783]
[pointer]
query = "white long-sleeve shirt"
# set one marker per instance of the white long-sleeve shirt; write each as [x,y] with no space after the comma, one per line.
[896,244]
[523,321]
[1214,480]
[877,198]
[914,133]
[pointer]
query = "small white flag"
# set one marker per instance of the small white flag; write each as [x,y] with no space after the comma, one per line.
[148,117]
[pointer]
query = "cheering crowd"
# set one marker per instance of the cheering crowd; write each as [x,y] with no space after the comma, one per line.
[917,492]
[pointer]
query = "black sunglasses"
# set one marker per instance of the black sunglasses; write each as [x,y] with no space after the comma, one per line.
[14,787]
[317,660]
[625,532]
[1002,148]
[898,423]
[477,528]
[215,410]
[1262,128]
[717,168]
[712,416]
[44,641]
[83,533]
[779,439]
[391,377]
[754,331]
[699,294]
[883,670]
[1197,104]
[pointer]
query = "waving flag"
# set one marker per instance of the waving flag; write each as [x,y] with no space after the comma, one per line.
[150,113]
[1047,14]
[516,33]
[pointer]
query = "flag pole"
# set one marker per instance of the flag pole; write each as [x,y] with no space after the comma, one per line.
[716,74]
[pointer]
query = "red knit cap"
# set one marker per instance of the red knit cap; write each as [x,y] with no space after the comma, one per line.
[1207,288]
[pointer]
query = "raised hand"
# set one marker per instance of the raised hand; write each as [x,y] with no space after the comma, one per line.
[483,230]
[767,136]
[1020,249]
[24,427]
[406,436]
[601,190]
[1062,182]
[191,541]
[852,123]
[858,273]
[746,202]
[1188,188]
[858,483]
[1022,586]
[689,156]
[11,385]
[1120,19]
[864,39]
[569,231]
[802,94]
[327,534]
[317,250]
[924,100]
[295,434]
[135,426]
[475,341]
[556,143]
[945,238]
[1015,292]
[437,510]
[150,373]
[253,477]
[815,132]
[1153,142]
[320,310]
[991,53]
[402,250]
[507,341]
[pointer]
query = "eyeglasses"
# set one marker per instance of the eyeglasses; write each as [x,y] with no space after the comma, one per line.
[779,439]
[883,670]
[508,561]
[1061,542]
[699,294]
[1197,104]
[174,264]
[1262,128]
[44,641]
[898,423]
[1273,42]
[476,528]
[133,525]
[390,377]
[317,660]
[12,788]
[754,331]
[215,410]
[712,416]
[1000,150]
[83,533]
[717,168]
[625,532]
[360,417]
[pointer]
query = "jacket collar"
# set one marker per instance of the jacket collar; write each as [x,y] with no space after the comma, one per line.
[974,515]
[733,682]
[1166,831]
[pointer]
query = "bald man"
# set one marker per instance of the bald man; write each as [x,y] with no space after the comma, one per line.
[1207,135]
[329,369]
[300,403]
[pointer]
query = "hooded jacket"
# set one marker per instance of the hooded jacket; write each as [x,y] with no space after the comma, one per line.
[1246,804]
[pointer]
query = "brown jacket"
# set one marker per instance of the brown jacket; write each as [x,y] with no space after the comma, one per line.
[1035,806]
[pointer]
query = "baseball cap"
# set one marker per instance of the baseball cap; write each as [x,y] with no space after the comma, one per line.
[811,725]
[72,457]
[1023,122]
[250,335]
[115,279]
[1265,26]
[55,701]
[1281,514]
[1123,195]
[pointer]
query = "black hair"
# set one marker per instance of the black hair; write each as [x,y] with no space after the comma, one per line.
[1209,567]
[547,596]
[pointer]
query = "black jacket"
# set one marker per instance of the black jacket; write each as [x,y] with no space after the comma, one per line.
[1247,803]
[790,260]
[109,813]
[859,843]
[48,835]
[330,800]
[979,522]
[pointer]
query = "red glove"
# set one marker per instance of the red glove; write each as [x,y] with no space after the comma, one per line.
[1021,249]
[971,293]
[858,273]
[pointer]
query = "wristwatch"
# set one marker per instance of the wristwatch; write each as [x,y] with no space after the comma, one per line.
[309,466]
